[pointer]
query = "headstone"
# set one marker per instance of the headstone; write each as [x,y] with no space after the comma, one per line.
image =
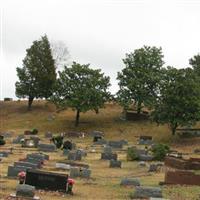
[46,147]
[147,192]
[97,133]
[79,172]
[4,154]
[82,152]
[48,134]
[109,156]
[197,151]
[18,139]
[107,149]
[30,143]
[25,164]
[13,171]
[74,172]
[145,140]
[74,156]
[85,173]
[38,156]
[76,164]
[130,182]
[124,142]
[24,190]
[115,144]
[101,142]
[66,152]
[46,180]
[144,157]
[153,168]
[62,166]
[115,164]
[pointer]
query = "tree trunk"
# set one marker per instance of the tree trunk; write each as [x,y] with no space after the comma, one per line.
[77,118]
[173,128]
[139,107]
[30,101]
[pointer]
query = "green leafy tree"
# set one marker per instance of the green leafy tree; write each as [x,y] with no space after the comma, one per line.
[38,75]
[82,89]
[139,80]
[178,103]
[195,62]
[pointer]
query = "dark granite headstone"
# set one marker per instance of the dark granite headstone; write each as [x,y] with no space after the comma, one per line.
[109,156]
[115,164]
[116,144]
[46,180]
[4,154]
[25,164]
[47,147]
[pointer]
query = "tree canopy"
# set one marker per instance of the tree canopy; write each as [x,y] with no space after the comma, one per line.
[139,80]
[81,88]
[179,102]
[38,75]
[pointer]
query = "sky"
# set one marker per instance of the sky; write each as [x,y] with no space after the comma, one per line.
[98,32]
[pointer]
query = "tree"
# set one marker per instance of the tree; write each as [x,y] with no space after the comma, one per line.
[60,54]
[179,102]
[82,89]
[38,75]
[139,80]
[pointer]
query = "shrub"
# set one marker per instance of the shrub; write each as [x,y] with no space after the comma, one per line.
[132,154]
[34,131]
[160,151]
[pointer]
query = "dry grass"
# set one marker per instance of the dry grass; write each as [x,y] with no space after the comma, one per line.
[104,183]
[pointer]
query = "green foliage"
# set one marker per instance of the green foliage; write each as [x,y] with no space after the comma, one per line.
[58,141]
[34,131]
[139,80]
[38,75]
[178,103]
[81,88]
[195,62]
[160,151]
[132,154]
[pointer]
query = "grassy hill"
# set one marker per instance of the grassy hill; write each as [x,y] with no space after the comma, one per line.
[104,183]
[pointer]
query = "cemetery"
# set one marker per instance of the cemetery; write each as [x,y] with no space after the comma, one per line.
[125,167]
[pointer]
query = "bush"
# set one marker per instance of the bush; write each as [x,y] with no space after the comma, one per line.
[34,131]
[131,154]
[160,151]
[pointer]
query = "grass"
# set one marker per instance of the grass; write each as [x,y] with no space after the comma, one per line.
[104,183]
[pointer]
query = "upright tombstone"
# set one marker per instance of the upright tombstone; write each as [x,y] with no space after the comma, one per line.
[115,163]
[107,149]
[147,192]
[145,140]
[29,143]
[130,182]
[116,144]
[108,156]
[13,171]
[74,155]
[18,139]
[47,147]
[25,164]
[46,180]
[4,154]
[24,190]
[97,133]
[80,172]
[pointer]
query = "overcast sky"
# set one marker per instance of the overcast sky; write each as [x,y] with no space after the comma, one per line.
[98,32]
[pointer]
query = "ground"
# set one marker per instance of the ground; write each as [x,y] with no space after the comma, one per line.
[104,182]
